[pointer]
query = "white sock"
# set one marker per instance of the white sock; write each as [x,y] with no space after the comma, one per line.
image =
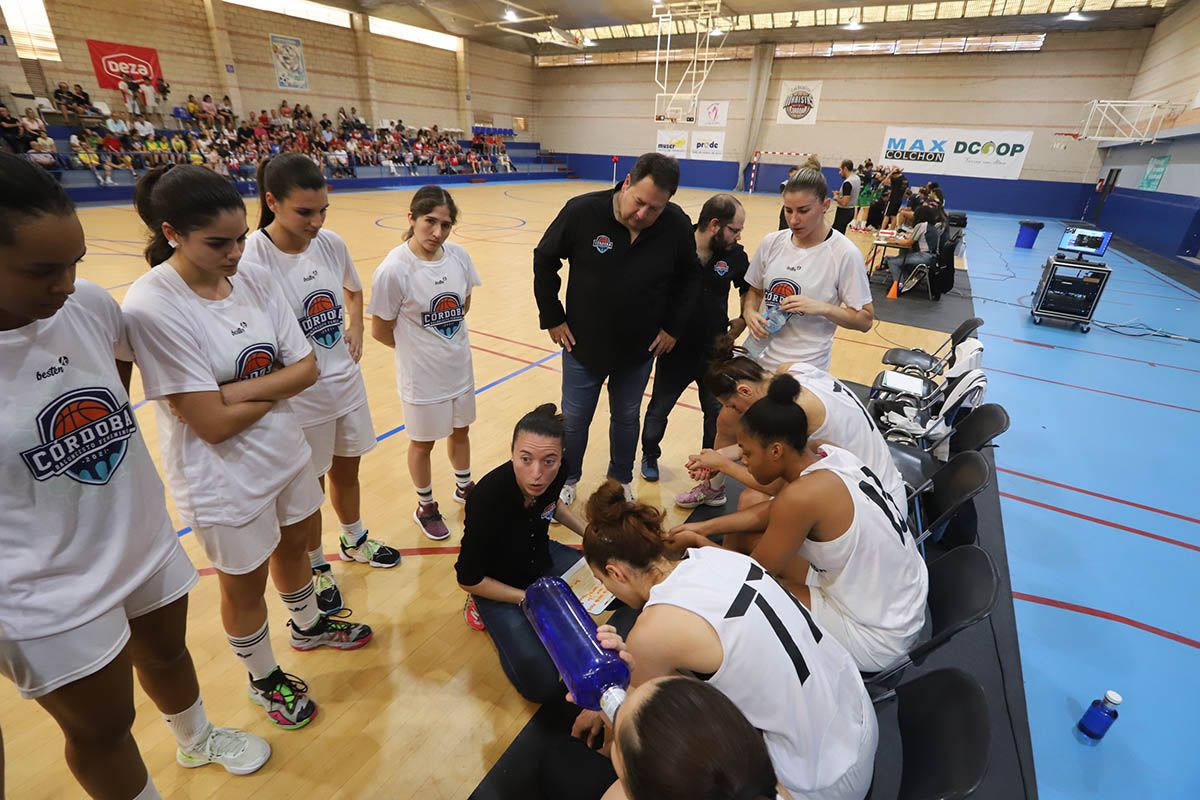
[425,494]
[317,558]
[352,534]
[462,477]
[717,481]
[189,724]
[302,605]
[255,651]
[149,792]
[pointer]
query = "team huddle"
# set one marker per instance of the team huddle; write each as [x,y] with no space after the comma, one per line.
[248,344]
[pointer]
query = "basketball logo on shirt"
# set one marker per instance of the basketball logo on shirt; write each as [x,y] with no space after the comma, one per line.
[255,361]
[721,268]
[84,434]
[548,512]
[445,315]
[779,290]
[602,244]
[322,320]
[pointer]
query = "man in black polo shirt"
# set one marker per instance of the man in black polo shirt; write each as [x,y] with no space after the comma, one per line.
[633,280]
[725,262]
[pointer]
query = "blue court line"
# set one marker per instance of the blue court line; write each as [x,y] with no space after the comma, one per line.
[398,428]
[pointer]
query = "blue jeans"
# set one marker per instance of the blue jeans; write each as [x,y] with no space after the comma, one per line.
[674,372]
[522,656]
[580,395]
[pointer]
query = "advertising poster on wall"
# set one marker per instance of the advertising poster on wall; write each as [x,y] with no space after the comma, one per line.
[798,103]
[713,114]
[287,54]
[1154,173]
[974,153]
[672,143]
[708,146]
[112,62]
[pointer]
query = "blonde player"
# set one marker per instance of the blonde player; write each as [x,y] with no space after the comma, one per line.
[420,297]
[311,269]
[95,583]
[221,355]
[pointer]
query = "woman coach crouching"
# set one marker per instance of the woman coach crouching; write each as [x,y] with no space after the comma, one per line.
[506,547]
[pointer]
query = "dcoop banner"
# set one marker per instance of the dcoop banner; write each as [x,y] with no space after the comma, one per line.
[708,146]
[952,151]
[113,61]
[798,103]
[673,143]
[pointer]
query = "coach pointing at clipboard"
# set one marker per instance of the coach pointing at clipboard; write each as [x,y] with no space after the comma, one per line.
[633,280]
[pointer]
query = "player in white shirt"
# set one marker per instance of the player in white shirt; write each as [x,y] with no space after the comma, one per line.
[832,535]
[220,356]
[95,582]
[835,415]
[311,269]
[810,274]
[718,615]
[420,297]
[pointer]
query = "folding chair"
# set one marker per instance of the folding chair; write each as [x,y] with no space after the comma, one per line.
[950,488]
[974,431]
[963,590]
[945,736]
[918,362]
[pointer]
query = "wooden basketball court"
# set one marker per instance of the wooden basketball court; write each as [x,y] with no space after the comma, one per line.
[424,710]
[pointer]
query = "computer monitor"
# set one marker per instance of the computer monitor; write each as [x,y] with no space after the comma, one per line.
[1085,241]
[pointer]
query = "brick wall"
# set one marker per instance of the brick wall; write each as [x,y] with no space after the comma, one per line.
[415,83]
[502,85]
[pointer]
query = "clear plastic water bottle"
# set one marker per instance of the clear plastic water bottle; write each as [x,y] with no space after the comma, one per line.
[595,676]
[774,318]
[1100,716]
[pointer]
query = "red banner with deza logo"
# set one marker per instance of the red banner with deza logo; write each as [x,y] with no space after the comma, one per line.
[113,62]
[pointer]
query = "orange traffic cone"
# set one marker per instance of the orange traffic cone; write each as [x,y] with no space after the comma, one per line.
[894,292]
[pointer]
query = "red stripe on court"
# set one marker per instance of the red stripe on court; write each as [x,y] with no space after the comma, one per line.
[1092,353]
[1090,493]
[1097,391]
[409,551]
[1106,523]
[1095,612]
[513,341]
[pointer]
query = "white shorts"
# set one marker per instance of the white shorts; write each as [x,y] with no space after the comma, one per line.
[241,549]
[429,422]
[350,435]
[859,641]
[39,666]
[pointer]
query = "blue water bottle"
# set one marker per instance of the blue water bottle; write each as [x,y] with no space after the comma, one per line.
[775,318]
[1100,716]
[596,677]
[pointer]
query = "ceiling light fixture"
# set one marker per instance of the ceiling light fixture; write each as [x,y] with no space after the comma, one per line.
[853,25]
[510,15]
[1074,16]
[587,42]
[717,32]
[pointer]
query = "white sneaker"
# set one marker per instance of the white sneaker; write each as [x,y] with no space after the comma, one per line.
[567,495]
[630,497]
[240,753]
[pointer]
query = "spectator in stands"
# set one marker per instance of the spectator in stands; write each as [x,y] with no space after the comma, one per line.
[162,89]
[156,150]
[89,159]
[285,113]
[505,162]
[225,111]
[117,125]
[63,100]
[82,101]
[245,132]
[179,149]
[142,127]
[207,113]
[10,131]
[32,126]
[44,159]
[116,156]
[131,93]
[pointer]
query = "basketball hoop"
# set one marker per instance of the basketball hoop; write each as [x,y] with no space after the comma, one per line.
[1073,134]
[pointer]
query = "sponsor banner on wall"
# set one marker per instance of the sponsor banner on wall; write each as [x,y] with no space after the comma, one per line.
[672,143]
[708,146]
[798,103]
[113,61]
[1154,173]
[287,54]
[975,153]
[713,114]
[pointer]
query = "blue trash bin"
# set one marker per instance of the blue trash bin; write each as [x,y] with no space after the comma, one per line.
[1028,233]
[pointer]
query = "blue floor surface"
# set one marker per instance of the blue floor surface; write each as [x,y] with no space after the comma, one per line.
[1101,507]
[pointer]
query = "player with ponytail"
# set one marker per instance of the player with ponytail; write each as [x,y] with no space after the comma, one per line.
[832,534]
[718,614]
[220,354]
[95,582]
[310,269]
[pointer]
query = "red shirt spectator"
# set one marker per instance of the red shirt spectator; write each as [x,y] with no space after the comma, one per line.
[260,132]
[111,143]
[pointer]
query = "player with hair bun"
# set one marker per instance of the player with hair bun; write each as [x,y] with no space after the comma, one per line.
[95,583]
[221,355]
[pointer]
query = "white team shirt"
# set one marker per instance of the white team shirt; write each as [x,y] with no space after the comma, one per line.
[873,573]
[82,517]
[833,272]
[809,704]
[427,299]
[849,426]
[312,284]
[185,343]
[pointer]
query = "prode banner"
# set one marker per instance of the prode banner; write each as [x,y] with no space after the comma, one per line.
[953,151]
[112,61]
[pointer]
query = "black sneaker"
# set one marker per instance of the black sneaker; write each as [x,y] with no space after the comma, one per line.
[329,596]
[331,632]
[650,468]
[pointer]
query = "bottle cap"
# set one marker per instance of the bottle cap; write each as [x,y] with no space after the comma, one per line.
[1112,698]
